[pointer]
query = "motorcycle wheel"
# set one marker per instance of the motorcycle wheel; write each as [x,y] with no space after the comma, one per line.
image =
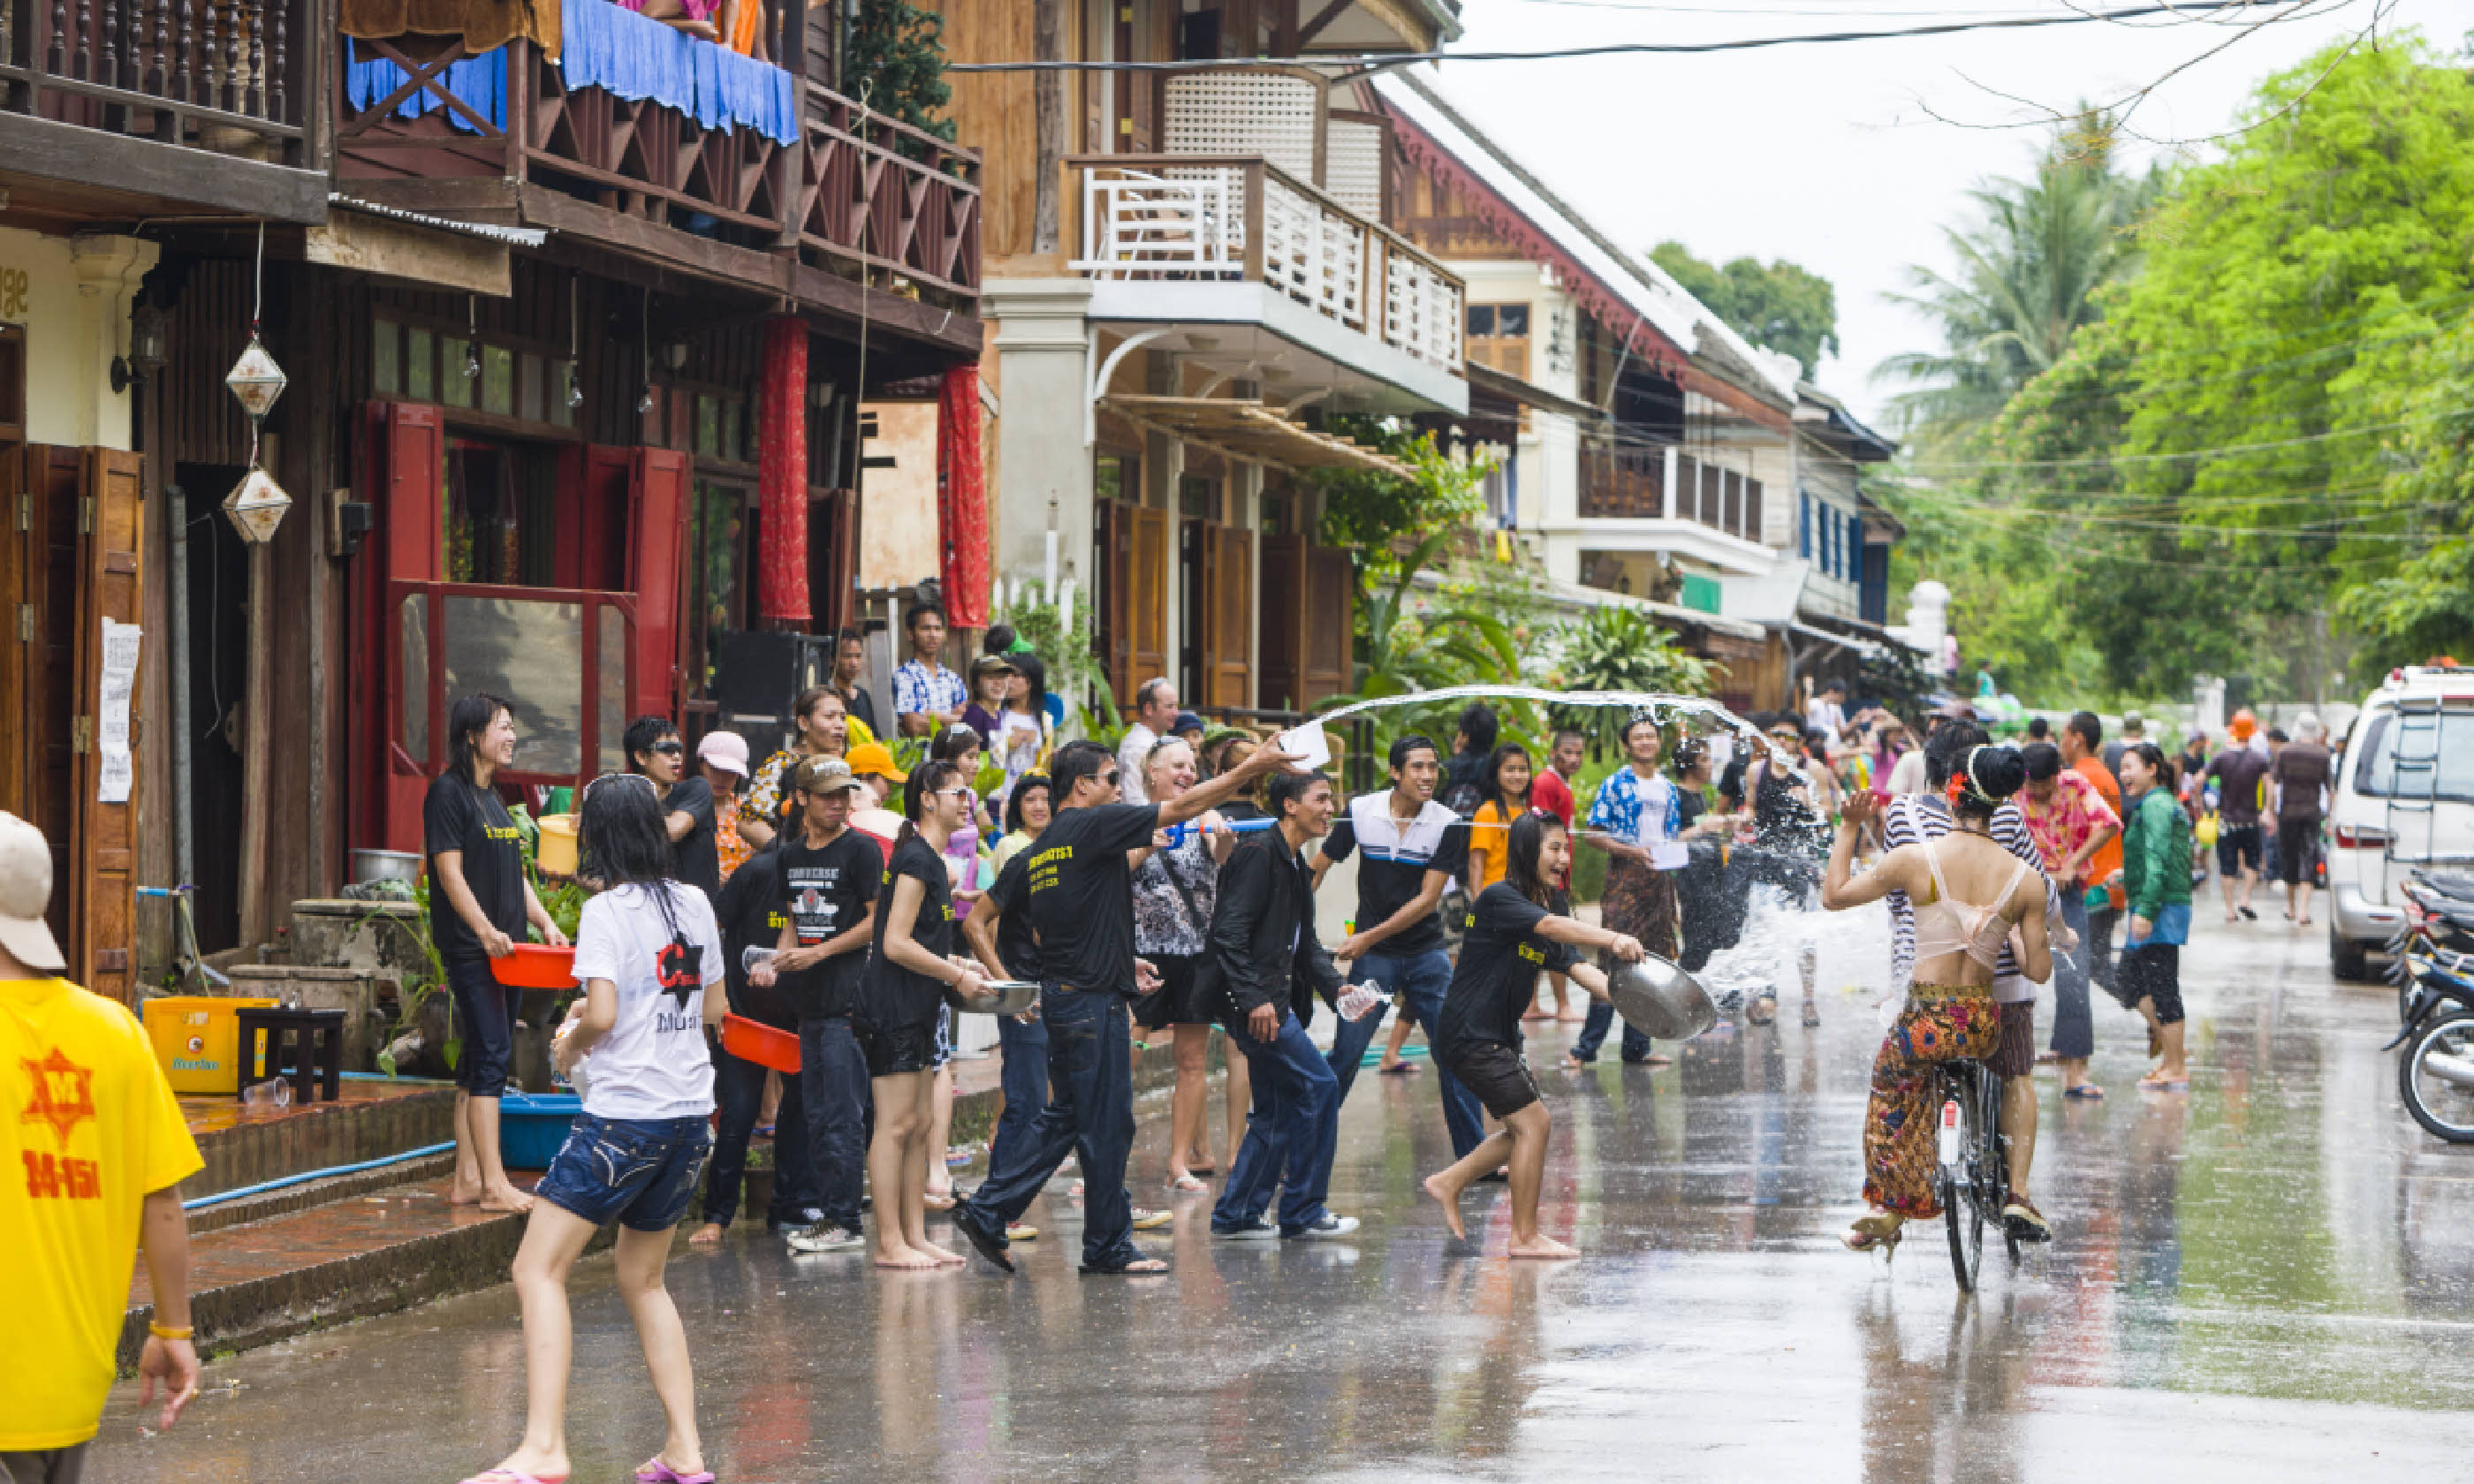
[2441,1105]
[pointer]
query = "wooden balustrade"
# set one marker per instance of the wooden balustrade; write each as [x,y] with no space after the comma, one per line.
[1632,483]
[1196,218]
[224,75]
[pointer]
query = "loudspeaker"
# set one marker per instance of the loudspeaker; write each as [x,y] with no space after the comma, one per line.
[758,674]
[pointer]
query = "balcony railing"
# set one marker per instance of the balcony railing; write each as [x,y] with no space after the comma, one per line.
[221,75]
[784,165]
[1633,484]
[1202,218]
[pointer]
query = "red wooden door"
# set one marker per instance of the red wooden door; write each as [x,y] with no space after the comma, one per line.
[405,474]
[657,517]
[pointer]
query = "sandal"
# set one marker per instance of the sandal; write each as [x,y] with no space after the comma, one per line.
[2024,1221]
[1396,1069]
[1867,1234]
[2152,1083]
[656,1471]
[1187,1184]
[1811,1014]
[518,1476]
[2085,1092]
[1763,1010]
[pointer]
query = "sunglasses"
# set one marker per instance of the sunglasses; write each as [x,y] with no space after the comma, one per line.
[947,793]
[1111,776]
[1786,738]
[670,749]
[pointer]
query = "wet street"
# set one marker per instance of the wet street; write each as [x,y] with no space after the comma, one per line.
[2268,1277]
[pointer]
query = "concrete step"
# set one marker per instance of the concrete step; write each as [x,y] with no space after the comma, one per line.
[244,1145]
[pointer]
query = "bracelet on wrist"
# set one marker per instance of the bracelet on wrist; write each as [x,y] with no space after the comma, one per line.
[170,1331]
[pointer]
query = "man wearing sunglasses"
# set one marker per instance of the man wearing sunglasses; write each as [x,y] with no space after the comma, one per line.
[655,752]
[1079,893]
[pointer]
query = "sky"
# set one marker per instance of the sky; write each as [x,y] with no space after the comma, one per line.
[1845,159]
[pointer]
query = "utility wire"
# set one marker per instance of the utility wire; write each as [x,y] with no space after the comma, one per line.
[1373,62]
[2219,451]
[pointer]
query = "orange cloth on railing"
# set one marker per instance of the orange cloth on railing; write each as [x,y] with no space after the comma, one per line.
[483,24]
[744,25]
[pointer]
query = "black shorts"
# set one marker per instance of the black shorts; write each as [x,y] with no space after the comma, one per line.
[2151,972]
[1176,1002]
[1496,1073]
[2297,849]
[2016,1056]
[898,1031]
[2239,848]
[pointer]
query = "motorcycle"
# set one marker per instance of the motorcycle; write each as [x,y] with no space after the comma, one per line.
[2436,1074]
[2439,912]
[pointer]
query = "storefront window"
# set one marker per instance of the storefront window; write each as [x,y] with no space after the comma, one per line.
[611,727]
[412,635]
[531,652]
[501,512]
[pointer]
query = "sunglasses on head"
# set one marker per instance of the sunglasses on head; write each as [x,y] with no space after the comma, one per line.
[611,778]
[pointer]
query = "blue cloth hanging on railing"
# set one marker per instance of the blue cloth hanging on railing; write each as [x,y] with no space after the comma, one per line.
[479,83]
[621,52]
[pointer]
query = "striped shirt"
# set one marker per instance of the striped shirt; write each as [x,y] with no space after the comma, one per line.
[1912,819]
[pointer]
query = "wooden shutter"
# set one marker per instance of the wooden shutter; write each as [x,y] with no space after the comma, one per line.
[113,502]
[1227,616]
[658,518]
[404,472]
[1279,622]
[1330,614]
[41,617]
[1116,537]
[1149,593]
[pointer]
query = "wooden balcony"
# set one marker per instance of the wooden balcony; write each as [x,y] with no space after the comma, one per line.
[204,103]
[1193,220]
[787,186]
[1632,483]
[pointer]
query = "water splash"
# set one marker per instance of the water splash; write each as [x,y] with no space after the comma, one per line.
[1659,703]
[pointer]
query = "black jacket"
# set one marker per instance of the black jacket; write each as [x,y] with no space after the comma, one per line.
[1266,905]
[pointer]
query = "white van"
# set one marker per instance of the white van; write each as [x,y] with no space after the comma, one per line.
[2403,799]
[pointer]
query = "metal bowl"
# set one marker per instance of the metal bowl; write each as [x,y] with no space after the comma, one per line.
[1004,997]
[372,865]
[1657,996]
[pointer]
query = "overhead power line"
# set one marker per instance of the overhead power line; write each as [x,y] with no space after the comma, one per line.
[1371,61]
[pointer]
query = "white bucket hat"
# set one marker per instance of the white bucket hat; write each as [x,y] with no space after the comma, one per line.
[25,891]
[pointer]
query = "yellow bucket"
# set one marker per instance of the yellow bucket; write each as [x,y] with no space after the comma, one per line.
[555,856]
[196,1039]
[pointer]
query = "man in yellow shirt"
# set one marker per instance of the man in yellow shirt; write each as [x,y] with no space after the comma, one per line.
[93,1152]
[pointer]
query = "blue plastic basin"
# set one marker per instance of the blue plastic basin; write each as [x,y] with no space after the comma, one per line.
[532,1126]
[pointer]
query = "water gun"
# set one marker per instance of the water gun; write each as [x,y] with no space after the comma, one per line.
[1177,833]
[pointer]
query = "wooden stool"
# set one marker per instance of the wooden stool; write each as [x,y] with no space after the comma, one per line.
[307,1045]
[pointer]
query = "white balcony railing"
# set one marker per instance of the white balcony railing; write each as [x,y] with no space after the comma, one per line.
[1169,218]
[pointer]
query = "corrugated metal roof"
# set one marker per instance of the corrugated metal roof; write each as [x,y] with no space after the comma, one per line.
[512,236]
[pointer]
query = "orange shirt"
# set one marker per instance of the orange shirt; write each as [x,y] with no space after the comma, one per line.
[2107,858]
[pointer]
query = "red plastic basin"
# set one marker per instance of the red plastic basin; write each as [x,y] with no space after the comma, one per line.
[536,966]
[753,1040]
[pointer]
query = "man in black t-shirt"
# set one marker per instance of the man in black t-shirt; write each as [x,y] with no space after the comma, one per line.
[1078,892]
[828,875]
[1408,850]
[655,751]
[998,931]
[749,914]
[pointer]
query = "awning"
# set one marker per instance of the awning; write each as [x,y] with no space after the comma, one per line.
[1528,394]
[1246,429]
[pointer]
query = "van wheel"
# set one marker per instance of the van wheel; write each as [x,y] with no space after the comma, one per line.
[2347,959]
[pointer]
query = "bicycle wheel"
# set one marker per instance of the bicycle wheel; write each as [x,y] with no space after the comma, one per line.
[2435,1078]
[1993,1154]
[1960,1212]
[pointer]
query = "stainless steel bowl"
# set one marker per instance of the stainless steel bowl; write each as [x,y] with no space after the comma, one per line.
[1004,997]
[1659,997]
[374,866]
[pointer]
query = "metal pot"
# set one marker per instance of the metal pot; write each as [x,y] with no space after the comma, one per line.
[369,867]
[1659,997]
[1004,997]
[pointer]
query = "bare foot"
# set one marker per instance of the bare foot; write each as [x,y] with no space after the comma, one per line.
[458,1193]
[1538,1012]
[1541,1246]
[938,1254]
[903,1257]
[1573,1015]
[1449,1198]
[505,1198]
[706,1235]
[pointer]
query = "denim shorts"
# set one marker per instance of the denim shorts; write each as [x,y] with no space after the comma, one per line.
[639,1172]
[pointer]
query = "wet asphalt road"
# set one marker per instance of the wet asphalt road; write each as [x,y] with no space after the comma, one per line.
[2269,1278]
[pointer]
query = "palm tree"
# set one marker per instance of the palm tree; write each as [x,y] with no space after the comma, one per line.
[2027,279]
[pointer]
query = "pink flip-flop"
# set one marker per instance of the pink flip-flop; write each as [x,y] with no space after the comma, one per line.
[657,1472]
[515,1477]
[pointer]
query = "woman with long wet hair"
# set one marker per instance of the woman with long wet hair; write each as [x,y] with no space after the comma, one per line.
[648,955]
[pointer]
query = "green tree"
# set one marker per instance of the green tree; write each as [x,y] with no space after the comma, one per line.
[2028,275]
[897,64]
[1779,305]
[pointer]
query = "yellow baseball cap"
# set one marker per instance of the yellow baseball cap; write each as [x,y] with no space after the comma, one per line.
[877,759]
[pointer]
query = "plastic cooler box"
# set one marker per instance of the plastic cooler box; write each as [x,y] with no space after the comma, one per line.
[197,1040]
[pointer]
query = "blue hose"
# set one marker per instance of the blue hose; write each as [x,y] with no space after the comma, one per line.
[303,1179]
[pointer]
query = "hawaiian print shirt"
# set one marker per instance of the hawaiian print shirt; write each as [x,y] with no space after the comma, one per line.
[917,689]
[1621,799]
[2062,827]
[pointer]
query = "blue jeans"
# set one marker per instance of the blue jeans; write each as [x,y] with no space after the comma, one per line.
[1024,1076]
[2074,1027]
[738,1090]
[1423,977]
[833,1079]
[639,1172]
[1593,1035]
[1292,1131]
[1090,1113]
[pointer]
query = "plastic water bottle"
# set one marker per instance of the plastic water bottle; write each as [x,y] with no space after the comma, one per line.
[1357,999]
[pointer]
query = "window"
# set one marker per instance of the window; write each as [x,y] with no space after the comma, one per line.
[1112,478]
[1499,338]
[423,365]
[1197,498]
[501,512]
[2398,761]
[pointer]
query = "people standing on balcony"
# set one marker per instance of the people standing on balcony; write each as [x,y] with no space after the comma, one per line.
[823,727]
[654,751]
[849,681]
[480,900]
[84,1192]
[991,681]
[829,875]
[649,957]
[1175,882]
[1411,848]
[1512,939]
[722,758]
[926,695]
[1638,820]
[1154,717]
[1077,892]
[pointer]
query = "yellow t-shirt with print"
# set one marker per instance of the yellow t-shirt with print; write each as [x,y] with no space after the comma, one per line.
[88,1129]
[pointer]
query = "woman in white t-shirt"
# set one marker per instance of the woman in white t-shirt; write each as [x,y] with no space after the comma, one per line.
[650,960]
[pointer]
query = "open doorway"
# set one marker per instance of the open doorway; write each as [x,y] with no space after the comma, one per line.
[218,661]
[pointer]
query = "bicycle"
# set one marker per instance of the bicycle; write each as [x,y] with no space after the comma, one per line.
[1974,1175]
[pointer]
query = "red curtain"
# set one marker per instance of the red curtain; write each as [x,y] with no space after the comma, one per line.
[962,500]
[782,425]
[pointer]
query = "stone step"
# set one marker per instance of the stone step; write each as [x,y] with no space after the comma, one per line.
[245,1145]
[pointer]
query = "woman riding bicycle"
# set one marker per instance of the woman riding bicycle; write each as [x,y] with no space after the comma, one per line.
[1969,896]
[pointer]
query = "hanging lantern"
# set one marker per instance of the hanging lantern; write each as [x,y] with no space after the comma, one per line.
[255,380]
[257,506]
